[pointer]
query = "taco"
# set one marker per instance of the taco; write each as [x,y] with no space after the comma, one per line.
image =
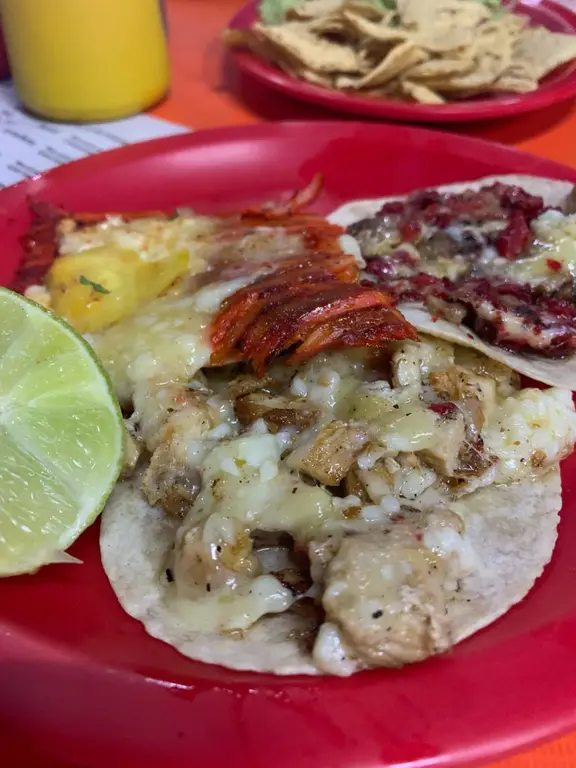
[350,512]
[488,264]
[341,509]
[309,486]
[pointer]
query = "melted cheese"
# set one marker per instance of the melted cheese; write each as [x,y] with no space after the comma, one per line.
[556,243]
[330,653]
[151,239]
[534,428]
[166,343]
[245,479]
[234,609]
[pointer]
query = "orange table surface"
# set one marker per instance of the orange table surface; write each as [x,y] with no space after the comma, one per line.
[207,92]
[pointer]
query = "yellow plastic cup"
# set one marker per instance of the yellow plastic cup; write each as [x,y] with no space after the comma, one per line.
[86,60]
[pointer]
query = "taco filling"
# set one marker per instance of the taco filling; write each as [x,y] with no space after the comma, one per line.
[495,259]
[309,485]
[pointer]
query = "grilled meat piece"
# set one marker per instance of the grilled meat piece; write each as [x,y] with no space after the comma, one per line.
[278,411]
[330,455]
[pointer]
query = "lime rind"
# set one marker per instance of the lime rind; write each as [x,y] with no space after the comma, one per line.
[61,435]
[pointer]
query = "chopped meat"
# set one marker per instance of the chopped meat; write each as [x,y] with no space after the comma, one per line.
[439,245]
[515,240]
[474,232]
[205,560]
[459,384]
[454,312]
[309,615]
[443,457]
[473,460]
[289,322]
[308,307]
[278,411]
[519,318]
[299,199]
[353,486]
[428,207]
[171,413]
[170,485]
[384,592]
[247,384]
[376,236]
[507,380]
[371,327]
[330,455]
[297,581]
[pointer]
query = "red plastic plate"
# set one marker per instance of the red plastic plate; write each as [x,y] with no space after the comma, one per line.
[93,688]
[559,86]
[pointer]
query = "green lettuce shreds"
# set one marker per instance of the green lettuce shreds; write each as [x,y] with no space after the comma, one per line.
[273,12]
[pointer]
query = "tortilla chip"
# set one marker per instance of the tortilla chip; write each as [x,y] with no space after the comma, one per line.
[515,23]
[511,84]
[441,26]
[441,68]
[455,49]
[311,52]
[492,57]
[248,38]
[478,79]
[399,59]
[444,38]
[373,31]
[544,50]
[367,11]
[423,14]
[328,25]
[517,78]
[421,93]
[313,9]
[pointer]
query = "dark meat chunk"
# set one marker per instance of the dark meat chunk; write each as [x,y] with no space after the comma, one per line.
[473,460]
[246,384]
[440,245]
[516,239]
[297,581]
[277,411]
[518,317]
[170,485]
[308,615]
[376,236]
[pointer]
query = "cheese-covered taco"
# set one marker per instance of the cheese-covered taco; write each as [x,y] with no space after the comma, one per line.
[309,486]
[488,263]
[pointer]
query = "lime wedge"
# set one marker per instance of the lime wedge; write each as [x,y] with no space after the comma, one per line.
[61,436]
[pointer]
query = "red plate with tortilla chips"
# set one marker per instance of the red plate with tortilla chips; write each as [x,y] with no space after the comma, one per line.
[556,87]
[83,680]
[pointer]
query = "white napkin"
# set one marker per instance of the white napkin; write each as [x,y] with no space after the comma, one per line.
[29,146]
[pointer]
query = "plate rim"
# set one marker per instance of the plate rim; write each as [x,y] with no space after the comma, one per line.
[14,196]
